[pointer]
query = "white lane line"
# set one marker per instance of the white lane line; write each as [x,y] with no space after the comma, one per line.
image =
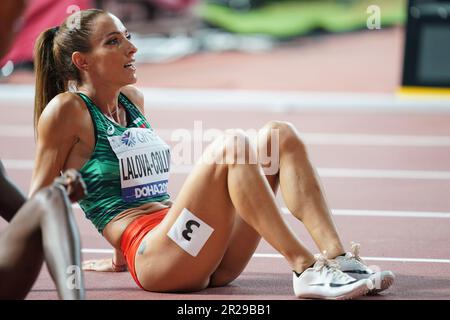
[355,173]
[284,101]
[16,130]
[314,138]
[260,100]
[375,140]
[309,138]
[384,213]
[278,256]
[383,174]
[372,213]
[85,250]
[408,260]
[422,260]
[18,164]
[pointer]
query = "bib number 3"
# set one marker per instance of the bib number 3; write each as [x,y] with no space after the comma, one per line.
[190,232]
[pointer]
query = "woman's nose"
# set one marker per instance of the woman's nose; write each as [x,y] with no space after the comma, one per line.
[132,48]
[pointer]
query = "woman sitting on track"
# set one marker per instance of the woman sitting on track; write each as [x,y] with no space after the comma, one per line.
[208,235]
[42,227]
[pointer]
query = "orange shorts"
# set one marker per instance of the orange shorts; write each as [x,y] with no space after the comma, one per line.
[133,235]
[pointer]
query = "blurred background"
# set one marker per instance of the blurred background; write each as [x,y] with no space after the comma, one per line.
[321,45]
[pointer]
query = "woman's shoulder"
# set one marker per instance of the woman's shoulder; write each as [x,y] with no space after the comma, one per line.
[135,95]
[66,108]
[66,103]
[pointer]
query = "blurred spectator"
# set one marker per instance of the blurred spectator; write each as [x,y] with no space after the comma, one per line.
[174,5]
[10,21]
[132,10]
[150,17]
[39,15]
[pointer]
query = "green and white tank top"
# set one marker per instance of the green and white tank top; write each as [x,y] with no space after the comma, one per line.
[128,167]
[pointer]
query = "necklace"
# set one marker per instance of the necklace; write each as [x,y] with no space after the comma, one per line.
[111,114]
[114,112]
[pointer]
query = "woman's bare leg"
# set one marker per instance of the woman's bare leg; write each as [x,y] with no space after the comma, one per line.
[241,247]
[302,193]
[214,193]
[44,227]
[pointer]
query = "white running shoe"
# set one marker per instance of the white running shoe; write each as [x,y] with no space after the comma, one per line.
[325,281]
[353,265]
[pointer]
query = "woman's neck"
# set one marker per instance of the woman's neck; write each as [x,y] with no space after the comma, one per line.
[105,98]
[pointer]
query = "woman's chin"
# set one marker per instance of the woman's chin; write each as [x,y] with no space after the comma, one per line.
[131,80]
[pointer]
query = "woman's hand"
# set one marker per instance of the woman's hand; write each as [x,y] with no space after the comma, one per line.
[116,264]
[103,265]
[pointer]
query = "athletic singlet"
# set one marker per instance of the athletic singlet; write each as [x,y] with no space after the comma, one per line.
[128,167]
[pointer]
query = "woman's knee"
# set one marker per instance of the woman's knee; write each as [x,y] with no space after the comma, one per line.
[286,134]
[238,148]
[231,148]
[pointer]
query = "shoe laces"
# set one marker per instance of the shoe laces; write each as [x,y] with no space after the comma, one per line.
[354,251]
[323,264]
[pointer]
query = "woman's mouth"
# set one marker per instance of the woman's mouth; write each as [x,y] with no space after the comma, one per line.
[130,66]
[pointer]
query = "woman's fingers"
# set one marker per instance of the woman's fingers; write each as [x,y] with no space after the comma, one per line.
[102,265]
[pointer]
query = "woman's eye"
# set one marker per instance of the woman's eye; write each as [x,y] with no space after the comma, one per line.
[112,41]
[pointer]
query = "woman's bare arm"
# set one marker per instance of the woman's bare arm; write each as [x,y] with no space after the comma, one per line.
[57,133]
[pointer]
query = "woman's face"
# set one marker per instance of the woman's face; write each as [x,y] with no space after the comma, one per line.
[112,56]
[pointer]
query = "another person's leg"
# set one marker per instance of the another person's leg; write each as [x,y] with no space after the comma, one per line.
[44,227]
[11,197]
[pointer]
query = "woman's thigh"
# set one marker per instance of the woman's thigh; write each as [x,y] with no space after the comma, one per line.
[163,262]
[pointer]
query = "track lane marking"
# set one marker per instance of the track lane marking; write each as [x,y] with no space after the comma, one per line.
[279,256]
[259,100]
[371,213]
[310,138]
[20,164]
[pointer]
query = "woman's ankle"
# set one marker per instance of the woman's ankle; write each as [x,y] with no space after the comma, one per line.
[302,264]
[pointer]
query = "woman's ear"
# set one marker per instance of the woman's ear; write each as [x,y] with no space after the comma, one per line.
[80,61]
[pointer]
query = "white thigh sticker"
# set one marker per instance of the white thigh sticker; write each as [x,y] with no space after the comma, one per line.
[190,232]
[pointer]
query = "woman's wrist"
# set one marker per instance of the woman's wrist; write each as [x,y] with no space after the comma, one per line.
[119,263]
[118,267]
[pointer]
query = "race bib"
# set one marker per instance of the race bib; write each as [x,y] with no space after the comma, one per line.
[144,161]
